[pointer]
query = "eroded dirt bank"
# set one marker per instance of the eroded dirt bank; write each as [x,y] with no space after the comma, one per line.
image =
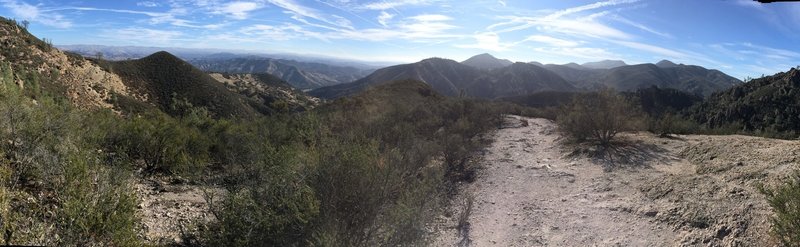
[533,190]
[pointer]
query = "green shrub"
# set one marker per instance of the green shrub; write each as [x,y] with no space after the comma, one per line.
[598,116]
[785,202]
[98,204]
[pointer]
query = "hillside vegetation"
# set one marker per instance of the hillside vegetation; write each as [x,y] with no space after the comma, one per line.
[767,105]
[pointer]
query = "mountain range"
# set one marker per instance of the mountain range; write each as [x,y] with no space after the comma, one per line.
[301,75]
[485,76]
[302,72]
[452,78]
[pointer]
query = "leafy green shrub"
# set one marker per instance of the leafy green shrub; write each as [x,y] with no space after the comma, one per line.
[163,143]
[598,116]
[55,188]
[273,210]
[98,204]
[785,202]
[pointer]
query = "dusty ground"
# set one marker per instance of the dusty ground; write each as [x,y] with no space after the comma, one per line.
[170,207]
[534,190]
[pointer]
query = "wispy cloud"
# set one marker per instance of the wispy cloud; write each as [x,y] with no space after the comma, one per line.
[668,53]
[384,18]
[641,27]
[551,41]
[487,41]
[149,4]
[565,12]
[34,14]
[391,4]
[239,10]
[301,12]
[143,36]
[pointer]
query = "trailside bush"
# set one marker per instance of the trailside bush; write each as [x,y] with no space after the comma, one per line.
[670,124]
[598,116]
[56,187]
[785,202]
[98,204]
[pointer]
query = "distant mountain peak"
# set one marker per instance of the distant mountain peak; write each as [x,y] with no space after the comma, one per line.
[666,64]
[574,66]
[486,61]
[604,64]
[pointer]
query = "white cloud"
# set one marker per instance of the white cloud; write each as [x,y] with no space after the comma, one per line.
[239,10]
[653,49]
[303,11]
[430,18]
[559,14]
[384,5]
[487,41]
[143,36]
[32,13]
[642,27]
[149,4]
[384,18]
[551,41]
[586,25]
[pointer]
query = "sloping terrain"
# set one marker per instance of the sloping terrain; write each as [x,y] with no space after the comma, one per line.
[26,58]
[452,78]
[693,190]
[267,89]
[604,64]
[301,75]
[665,74]
[486,61]
[484,76]
[765,104]
[163,77]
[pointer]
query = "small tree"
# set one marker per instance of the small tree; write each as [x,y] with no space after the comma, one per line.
[599,116]
[25,24]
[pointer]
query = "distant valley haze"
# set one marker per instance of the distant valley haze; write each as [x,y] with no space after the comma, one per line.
[735,38]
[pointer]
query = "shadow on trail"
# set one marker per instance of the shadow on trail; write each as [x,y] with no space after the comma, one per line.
[626,154]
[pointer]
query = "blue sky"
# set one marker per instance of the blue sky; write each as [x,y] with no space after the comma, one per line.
[739,37]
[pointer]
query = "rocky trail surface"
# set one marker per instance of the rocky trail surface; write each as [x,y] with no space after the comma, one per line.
[533,189]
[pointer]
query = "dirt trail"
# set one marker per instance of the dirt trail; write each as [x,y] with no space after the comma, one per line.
[532,191]
[170,207]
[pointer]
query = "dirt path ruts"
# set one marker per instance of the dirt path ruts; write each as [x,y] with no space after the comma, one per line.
[531,195]
[691,190]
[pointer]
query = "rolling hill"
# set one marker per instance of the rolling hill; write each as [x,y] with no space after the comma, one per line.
[486,61]
[664,74]
[604,64]
[452,78]
[162,77]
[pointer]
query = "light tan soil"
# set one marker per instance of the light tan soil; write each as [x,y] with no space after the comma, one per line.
[170,207]
[535,190]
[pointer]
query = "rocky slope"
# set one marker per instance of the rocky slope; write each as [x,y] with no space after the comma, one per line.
[268,89]
[28,58]
[765,104]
